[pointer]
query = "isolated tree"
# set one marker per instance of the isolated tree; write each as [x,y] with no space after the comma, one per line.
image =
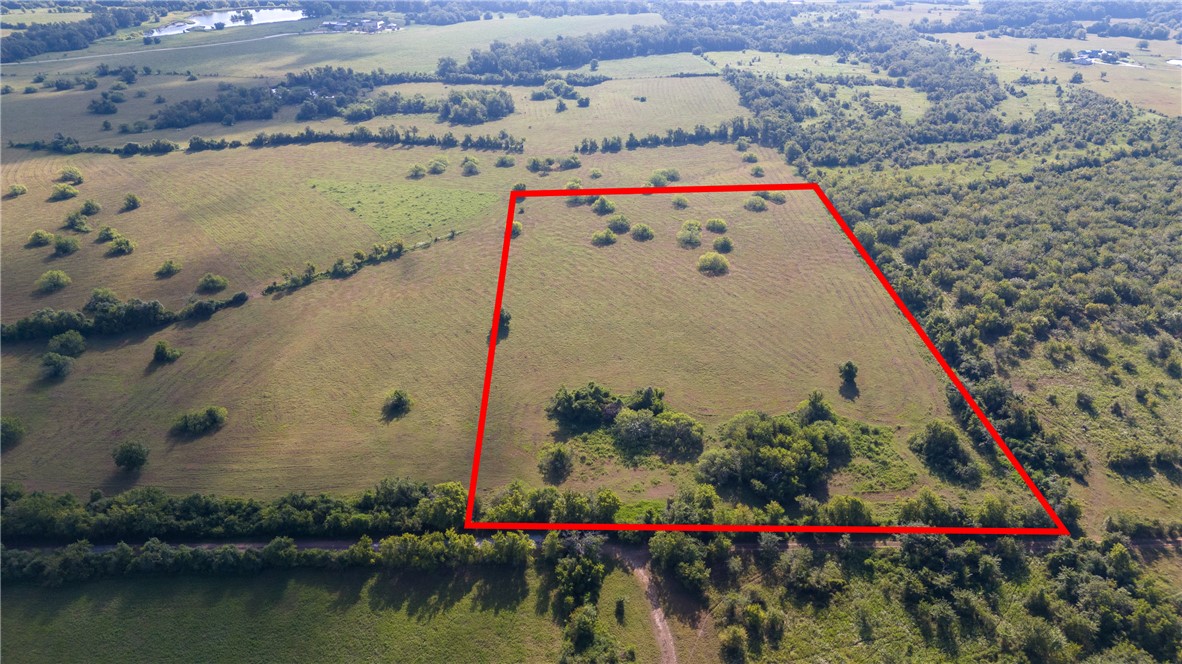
[131,202]
[618,224]
[70,174]
[211,283]
[130,456]
[848,372]
[716,225]
[556,462]
[64,246]
[39,238]
[12,430]
[690,235]
[642,233]
[603,238]
[470,166]
[516,229]
[416,171]
[201,421]
[755,204]
[680,202]
[167,269]
[164,352]
[62,192]
[55,366]
[17,190]
[603,206]
[723,245]
[52,280]
[90,207]
[713,264]
[560,107]
[396,404]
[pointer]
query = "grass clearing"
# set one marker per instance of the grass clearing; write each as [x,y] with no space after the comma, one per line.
[396,213]
[650,66]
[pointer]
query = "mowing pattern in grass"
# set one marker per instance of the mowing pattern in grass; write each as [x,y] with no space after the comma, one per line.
[411,211]
[796,304]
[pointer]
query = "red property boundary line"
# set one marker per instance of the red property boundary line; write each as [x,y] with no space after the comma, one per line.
[515,196]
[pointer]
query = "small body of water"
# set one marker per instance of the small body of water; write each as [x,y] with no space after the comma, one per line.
[207,21]
[1174,62]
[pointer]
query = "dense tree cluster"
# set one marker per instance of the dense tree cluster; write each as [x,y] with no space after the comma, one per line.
[40,38]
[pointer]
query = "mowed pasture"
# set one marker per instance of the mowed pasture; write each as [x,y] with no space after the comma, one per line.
[649,66]
[302,375]
[797,303]
[1155,85]
[256,51]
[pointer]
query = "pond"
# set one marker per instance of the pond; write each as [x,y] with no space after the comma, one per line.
[209,20]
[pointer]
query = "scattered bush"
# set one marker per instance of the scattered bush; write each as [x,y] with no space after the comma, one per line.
[713,264]
[750,158]
[69,343]
[517,228]
[556,462]
[603,206]
[64,246]
[211,283]
[52,280]
[596,173]
[39,238]
[505,161]
[642,233]
[723,245]
[690,235]
[680,202]
[755,204]
[200,422]
[62,192]
[17,190]
[165,353]
[55,366]
[71,175]
[131,202]
[437,166]
[470,166]
[12,430]
[397,404]
[416,171]
[76,222]
[716,225]
[848,372]
[130,456]
[618,224]
[106,234]
[167,269]
[940,447]
[757,171]
[603,238]
[121,246]
[90,207]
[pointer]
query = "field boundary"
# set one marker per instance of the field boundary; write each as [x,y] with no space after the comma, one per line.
[1059,529]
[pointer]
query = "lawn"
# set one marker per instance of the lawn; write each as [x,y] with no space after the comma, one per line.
[302,616]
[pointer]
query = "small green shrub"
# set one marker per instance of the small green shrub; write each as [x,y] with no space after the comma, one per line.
[53,280]
[12,430]
[757,171]
[603,238]
[618,224]
[17,190]
[680,202]
[556,462]
[121,246]
[130,456]
[55,366]
[416,171]
[723,245]
[69,343]
[64,246]
[505,161]
[690,235]
[750,158]
[470,166]
[76,222]
[437,166]
[62,192]
[167,269]
[755,204]
[199,422]
[211,283]
[39,238]
[603,206]
[70,174]
[716,225]
[596,173]
[90,207]
[106,234]
[165,353]
[713,264]
[396,404]
[848,372]
[517,228]
[131,202]
[642,233]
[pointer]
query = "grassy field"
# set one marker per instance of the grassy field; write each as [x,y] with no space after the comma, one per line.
[38,15]
[302,375]
[1154,85]
[417,48]
[292,617]
[650,66]
[797,303]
